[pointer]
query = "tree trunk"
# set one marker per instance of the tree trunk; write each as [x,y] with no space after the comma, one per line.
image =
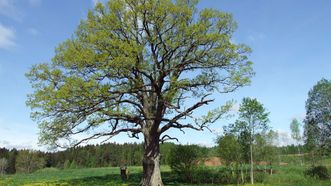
[242,174]
[252,166]
[151,161]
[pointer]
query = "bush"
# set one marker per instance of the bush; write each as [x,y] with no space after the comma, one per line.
[223,175]
[183,160]
[320,172]
[205,175]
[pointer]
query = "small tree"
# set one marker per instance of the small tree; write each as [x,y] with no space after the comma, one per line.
[296,134]
[253,119]
[183,159]
[28,161]
[73,165]
[266,149]
[229,150]
[3,165]
[66,164]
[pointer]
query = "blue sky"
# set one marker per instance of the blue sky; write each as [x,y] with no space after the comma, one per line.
[290,42]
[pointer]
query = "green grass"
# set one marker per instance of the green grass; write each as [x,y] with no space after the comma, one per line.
[284,176]
[294,176]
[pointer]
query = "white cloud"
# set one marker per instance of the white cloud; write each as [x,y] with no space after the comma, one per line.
[33,31]
[18,135]
[235,107]
[23,145]
[299,116]
[256,37]
[4,142]
[7,36]
[34,2]
[8,9]
[284,138]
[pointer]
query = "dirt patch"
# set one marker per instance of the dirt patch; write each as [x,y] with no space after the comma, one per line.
[283,164]
[213,161]
[262,163]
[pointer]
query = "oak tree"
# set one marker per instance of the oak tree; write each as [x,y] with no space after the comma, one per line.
[138,67]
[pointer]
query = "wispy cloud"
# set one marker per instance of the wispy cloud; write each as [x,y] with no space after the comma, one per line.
[7,37]
[4,142]
[33,31]
[34,2]
[23,145]
[8,9]
[299,116]
[284,138]
[256,37]
[235,107]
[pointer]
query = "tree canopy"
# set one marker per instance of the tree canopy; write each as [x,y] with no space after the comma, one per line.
[318,115]
[253,120]
[138,66]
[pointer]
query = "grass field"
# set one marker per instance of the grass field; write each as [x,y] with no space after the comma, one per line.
[285,176]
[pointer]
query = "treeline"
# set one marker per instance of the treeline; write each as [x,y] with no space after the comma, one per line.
[105,155]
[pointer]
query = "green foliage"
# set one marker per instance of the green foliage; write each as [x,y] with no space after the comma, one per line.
[319,172]
[252,122]
[318,120]
[66,164]
[253,115]
[28,161]
[295,130]
[265,147]
[133,50]
[183,160]
[317,128]
[249,128]
[73,165]
[229,149]
[128,68]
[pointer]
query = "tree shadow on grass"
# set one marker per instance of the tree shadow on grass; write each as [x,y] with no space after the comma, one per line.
[115,180]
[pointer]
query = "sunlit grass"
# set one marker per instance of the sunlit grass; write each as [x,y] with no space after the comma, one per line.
[110,176]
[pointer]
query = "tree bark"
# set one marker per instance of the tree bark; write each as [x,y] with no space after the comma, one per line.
[252,165]
[151,161]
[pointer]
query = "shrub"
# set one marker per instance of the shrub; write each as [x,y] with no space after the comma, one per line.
[204,175]
[66,164]
[320,172]
[183,160]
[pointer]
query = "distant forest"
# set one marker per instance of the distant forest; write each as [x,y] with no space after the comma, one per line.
[105,155]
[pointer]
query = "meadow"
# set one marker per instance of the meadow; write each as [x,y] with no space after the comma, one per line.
[284,176]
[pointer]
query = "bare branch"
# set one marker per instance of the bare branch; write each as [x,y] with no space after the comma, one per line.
[187,112]
[166,138]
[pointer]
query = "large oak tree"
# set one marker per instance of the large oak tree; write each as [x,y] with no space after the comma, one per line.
[138,67]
